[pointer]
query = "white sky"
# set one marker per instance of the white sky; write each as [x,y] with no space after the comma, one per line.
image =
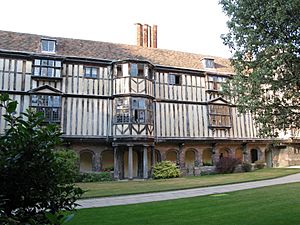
[183,25]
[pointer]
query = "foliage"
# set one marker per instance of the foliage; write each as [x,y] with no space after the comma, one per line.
[94,177]
[246,167]
[165,169]
[265,39]
[35,179]
[260,164]
[227,165]
[69,159]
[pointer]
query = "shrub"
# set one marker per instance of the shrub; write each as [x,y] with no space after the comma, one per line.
[34,180]
[165,169]
[94,177]
[246,167]
[227,165]
[259,164]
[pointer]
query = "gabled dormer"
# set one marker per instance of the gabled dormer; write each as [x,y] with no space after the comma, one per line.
[208,62]
[47,100]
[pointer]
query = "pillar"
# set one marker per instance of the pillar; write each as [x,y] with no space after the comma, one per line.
[245,153]
[215,155]
[130,163]
[145,163]
[116,163]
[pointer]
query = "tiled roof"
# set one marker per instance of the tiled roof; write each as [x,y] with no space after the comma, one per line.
[110,51]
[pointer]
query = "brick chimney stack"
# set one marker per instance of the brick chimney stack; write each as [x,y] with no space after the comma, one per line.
[145,33]
[154,36]
[146,36]
[139,34]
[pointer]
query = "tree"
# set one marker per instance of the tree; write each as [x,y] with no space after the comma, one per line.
[265,39]
[35,184]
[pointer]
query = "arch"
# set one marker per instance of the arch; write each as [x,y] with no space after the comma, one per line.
[86,160]
[157,156]
[254,155]
[239,154]
[207,157]
[172,155]
[190,158]
[107,160]
[225,152]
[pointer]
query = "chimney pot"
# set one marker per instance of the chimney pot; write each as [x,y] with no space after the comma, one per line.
[145,44]
[154,36]
[139,34]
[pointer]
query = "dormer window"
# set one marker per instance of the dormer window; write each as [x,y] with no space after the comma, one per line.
[208,63]
[48,45]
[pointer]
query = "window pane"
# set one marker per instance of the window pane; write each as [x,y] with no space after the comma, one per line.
[57,63]
[133,69]
[36,71]
[37,62]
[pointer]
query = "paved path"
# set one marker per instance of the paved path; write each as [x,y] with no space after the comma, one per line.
[159,196]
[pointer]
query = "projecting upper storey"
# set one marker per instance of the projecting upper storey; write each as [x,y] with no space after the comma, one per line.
[67,47]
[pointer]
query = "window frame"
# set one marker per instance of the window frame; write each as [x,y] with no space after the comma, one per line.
[217,118]
[48,41]
[53,109]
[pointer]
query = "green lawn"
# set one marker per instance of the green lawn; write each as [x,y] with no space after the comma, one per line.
[275,205]
[101,189]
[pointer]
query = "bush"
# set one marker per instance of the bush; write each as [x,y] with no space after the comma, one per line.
[35,181]
[246,167]
[227,165]
[259,164]
[94,177]
[165,169]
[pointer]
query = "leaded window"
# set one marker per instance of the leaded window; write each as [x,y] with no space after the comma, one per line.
[122,110]
[136,70]
[47,68]
[219,116]
[49,105]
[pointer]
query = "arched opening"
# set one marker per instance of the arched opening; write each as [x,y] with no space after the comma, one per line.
[86,161]
[207,157]
[157,156]
[239,154]
[107,162]
[172,156]
[190,158]
[223,153]
[254,155]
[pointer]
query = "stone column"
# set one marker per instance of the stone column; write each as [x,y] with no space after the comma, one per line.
[145,163]
[130,163]
[245,153]
[116,163]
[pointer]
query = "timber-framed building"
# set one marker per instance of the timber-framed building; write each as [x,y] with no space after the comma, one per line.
[124,107]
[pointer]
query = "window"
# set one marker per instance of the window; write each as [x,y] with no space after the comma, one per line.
[136,70]
[46,68]
[174,79]
[122,110]
[48,45]
[134,110]
[90,72]
[215,83]
[141,110]
[49,105]
[208,63]
[219,116]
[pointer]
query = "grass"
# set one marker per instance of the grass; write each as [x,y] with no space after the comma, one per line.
[101,189]
[275,205]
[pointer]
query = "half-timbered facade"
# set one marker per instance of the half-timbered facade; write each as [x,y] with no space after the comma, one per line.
[123,107]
